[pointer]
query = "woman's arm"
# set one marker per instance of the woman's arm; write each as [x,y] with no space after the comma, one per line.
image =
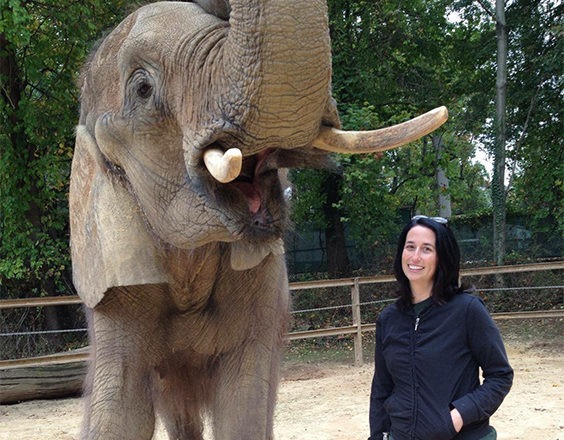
[488,349]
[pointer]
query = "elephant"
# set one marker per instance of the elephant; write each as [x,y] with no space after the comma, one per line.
[190,113]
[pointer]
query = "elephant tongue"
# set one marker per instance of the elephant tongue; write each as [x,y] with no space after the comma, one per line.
[251,190]
[252,194]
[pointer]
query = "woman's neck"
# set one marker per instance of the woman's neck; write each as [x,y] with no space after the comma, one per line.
[420,292]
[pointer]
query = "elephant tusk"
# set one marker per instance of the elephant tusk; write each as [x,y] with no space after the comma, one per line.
[224,167]
[339,141]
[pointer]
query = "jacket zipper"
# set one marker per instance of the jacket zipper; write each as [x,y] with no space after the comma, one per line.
[414,392]
[415,385]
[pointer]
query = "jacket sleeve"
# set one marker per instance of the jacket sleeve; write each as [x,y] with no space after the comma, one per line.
[487,347]
[382,386]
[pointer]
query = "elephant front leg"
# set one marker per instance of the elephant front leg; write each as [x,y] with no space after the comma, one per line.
[119,405]
[246,392]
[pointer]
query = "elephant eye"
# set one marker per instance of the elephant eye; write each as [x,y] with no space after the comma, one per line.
[141,84]
[144,90]
[141,94]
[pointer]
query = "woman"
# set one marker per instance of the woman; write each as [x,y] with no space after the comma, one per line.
[430,345]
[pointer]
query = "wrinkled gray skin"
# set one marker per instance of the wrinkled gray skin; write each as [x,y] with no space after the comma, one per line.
[185,276]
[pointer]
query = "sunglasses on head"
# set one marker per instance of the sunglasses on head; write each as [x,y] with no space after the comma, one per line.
[441,220]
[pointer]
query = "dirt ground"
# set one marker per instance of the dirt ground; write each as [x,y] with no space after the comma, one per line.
[330,402]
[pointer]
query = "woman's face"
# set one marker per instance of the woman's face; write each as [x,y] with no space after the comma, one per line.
[419,257]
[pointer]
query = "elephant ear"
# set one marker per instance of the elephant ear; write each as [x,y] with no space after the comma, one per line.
[110,243]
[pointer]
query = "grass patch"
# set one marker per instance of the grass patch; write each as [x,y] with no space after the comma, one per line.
[331,349]
[543,335]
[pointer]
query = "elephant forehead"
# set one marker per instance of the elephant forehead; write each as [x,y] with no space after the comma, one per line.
[160,29]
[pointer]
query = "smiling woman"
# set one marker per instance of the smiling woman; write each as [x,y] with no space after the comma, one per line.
[434,340]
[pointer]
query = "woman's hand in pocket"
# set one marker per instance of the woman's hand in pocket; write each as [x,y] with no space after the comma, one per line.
[456,419]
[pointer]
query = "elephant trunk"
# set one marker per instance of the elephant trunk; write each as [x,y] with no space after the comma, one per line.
[276,89]
[278,61]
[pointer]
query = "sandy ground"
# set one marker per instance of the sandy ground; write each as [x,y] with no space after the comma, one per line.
[330,402]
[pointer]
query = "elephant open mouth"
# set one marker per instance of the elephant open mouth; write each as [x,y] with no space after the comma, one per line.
[265,218]
[244,174]
[248,181]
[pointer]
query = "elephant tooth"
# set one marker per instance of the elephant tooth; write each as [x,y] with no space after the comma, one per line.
[223,166]
[357,142]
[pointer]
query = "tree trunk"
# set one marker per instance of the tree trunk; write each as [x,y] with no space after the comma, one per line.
[338,263]
[50,381]
[498,179]
[442,180]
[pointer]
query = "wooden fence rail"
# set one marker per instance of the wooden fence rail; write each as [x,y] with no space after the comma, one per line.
[303,285]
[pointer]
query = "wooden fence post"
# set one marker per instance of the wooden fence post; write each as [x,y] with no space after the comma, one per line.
[355,295]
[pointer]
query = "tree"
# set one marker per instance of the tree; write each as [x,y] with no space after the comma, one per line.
[392,63]
[498,180]
[42,44]
[530,178]
[537,153]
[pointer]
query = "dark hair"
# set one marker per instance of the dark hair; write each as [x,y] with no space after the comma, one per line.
[446,280]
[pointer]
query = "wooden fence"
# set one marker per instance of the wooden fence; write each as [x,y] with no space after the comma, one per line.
[357,328]
[40,365]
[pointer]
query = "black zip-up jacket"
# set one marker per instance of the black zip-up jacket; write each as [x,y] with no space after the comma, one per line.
[424,371]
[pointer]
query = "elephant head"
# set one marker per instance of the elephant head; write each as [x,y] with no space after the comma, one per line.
[188,112]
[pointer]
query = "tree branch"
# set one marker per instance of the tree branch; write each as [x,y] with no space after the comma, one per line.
[486,8]
[519,141]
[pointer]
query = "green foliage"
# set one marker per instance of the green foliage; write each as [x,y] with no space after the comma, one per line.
[534,100]
[308,200]
[42,45]
[537,149]
[395,60]
[391,61]
[386,52]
